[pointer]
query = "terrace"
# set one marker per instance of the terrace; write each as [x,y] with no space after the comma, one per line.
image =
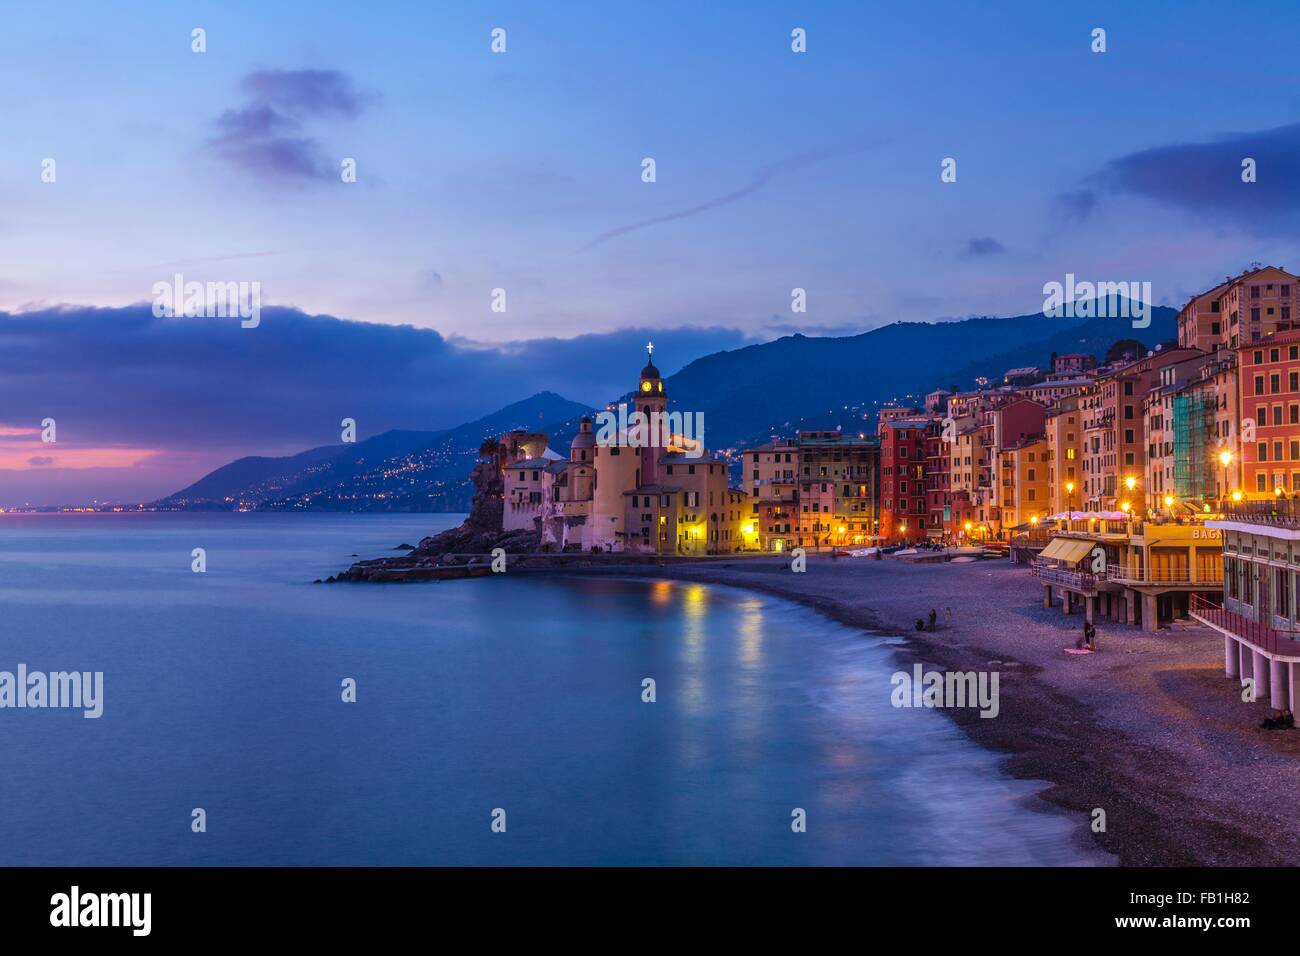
[1272,640]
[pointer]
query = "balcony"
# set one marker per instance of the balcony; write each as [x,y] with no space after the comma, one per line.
[1209,579]
[1083,582]
[1280,643]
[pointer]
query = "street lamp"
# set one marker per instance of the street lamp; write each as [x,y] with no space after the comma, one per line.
[1225,459]
[1069,492]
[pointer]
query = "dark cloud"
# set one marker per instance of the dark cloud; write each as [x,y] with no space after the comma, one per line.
[266,137]
[305,92]
[261,141]
[1205,178]
[123,377]
[983,246]
[1078,205]
[38,460]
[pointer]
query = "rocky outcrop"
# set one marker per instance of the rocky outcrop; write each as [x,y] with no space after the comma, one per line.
[461,551]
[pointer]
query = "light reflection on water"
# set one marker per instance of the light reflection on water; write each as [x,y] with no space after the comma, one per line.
[521,692]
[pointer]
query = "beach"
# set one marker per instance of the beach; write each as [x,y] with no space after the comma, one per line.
[1148,730]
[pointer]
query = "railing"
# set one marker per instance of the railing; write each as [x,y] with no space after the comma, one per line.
[1123,574]
[1285,643]
[1282,512]
[1032,539]
[1082,581]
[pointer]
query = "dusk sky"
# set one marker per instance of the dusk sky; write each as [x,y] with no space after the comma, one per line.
[522,171]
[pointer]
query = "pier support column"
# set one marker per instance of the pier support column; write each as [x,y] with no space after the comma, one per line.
[1067,599]
[1293,682]
[1231,657]
[1150,612]
[1246,660]
[1279,696]
[1259,670]
[1130,607]
[1090,609]
[1047,595]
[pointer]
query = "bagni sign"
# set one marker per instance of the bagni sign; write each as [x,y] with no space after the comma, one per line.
[1204,534]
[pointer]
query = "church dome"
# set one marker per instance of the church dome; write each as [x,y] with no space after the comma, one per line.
[584,438]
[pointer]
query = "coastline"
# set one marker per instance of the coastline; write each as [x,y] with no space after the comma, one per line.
[1149,729]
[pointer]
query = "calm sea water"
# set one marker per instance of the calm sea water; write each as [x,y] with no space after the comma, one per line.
[222,691]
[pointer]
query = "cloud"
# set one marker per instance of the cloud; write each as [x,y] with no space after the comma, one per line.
[1204,179]
[983,246]
[38,460]
[305,92]
[122,378]
[764,176]
[1078,205]
[265,136]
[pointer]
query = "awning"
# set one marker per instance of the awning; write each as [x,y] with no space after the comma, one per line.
[1069,550]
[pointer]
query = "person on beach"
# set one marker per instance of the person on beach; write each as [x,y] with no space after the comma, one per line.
[934,616]
[1090,632]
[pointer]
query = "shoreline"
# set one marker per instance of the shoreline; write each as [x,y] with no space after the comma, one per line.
[1149,729]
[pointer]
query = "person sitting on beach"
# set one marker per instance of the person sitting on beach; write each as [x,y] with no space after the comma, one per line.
[920,624]
[1090,634]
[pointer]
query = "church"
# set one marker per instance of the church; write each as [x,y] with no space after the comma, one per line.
[620,491]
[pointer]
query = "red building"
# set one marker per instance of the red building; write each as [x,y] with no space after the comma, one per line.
[904,508]
[937,484]
[1269,376]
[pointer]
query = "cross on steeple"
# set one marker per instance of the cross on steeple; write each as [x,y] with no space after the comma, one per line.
[650,349]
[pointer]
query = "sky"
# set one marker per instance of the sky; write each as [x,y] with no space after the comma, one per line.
[522,171]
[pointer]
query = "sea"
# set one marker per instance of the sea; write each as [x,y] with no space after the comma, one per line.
[253,717]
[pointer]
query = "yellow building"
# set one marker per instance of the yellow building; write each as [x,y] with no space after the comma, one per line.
[1025,491]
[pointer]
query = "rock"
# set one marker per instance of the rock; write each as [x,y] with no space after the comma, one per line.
[404,547]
